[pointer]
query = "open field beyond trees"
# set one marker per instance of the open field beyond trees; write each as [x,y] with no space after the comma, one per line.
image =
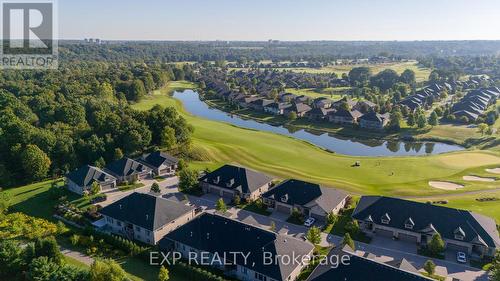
[421,73]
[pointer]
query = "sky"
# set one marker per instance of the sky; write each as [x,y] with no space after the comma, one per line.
[287,20]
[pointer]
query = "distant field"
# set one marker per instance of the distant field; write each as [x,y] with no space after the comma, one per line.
[422,74]
[332,93]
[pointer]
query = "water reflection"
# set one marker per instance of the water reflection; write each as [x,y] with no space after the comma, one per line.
[338,144]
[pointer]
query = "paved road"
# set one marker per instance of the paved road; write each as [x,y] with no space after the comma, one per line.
[78,256]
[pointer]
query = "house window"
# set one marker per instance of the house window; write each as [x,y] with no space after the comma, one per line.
[137,228]
[385,221]
[244,270]
[118,223]
[148,232]
[459,237]
[409,226]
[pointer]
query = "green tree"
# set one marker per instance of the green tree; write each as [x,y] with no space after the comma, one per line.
[411,119]
[10,258]
[272,226]
[429,267]
[236,200]
[220,206]
[495,268]
[434,119]
[95,188]
[167,138]
[41,269]
[421,121]
[482,128]
[436,245]
[331,218]
[49,248]
[163,275]
[314,235]
[395,120]
[408,77]
[107,270]
[352,227]
[155,187]
[359,76]
[188,179]
[117,154]
[347,240]
[292,115]
[35,162]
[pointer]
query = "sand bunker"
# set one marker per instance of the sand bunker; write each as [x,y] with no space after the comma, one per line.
[494,171]
[445,185]
[476,178]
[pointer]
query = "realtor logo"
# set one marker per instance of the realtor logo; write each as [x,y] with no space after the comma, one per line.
[28,35]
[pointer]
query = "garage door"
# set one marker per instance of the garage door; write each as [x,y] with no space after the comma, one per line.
[283,209]
[227,194]
[383,232]
[215,191]
[406,237]
[451,246]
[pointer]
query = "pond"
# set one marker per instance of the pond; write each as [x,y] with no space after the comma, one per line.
[337,144]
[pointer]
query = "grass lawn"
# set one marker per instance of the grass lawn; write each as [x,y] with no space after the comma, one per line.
[434,276]
[252,207]
[75,262]
[421,73]
[332,93]
[161,96]
[338,227]
[130,186]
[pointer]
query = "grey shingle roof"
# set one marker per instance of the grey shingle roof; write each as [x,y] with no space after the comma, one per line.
[145,210]
[217,234]
[126,167]
[88,174]
[429,218]
[158,158]
[234,177]
[364,269]
[306,194]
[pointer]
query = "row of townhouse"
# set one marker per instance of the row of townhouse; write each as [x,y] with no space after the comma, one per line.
[311,199]
[475,103]
[123,170]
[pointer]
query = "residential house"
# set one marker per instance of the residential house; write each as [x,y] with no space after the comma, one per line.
[322,102]
[246,101]
[127,170]
[374,121]
[475,103]
[144,217]
[213,235]
[364,106]
[300,108]
[229,181]
[338,104]
[319,114]
[277,108]
[161,163]
[81,180]
[286,97]
[417,222]
[310,199]
[259,104]
[361,268]
[343,116]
